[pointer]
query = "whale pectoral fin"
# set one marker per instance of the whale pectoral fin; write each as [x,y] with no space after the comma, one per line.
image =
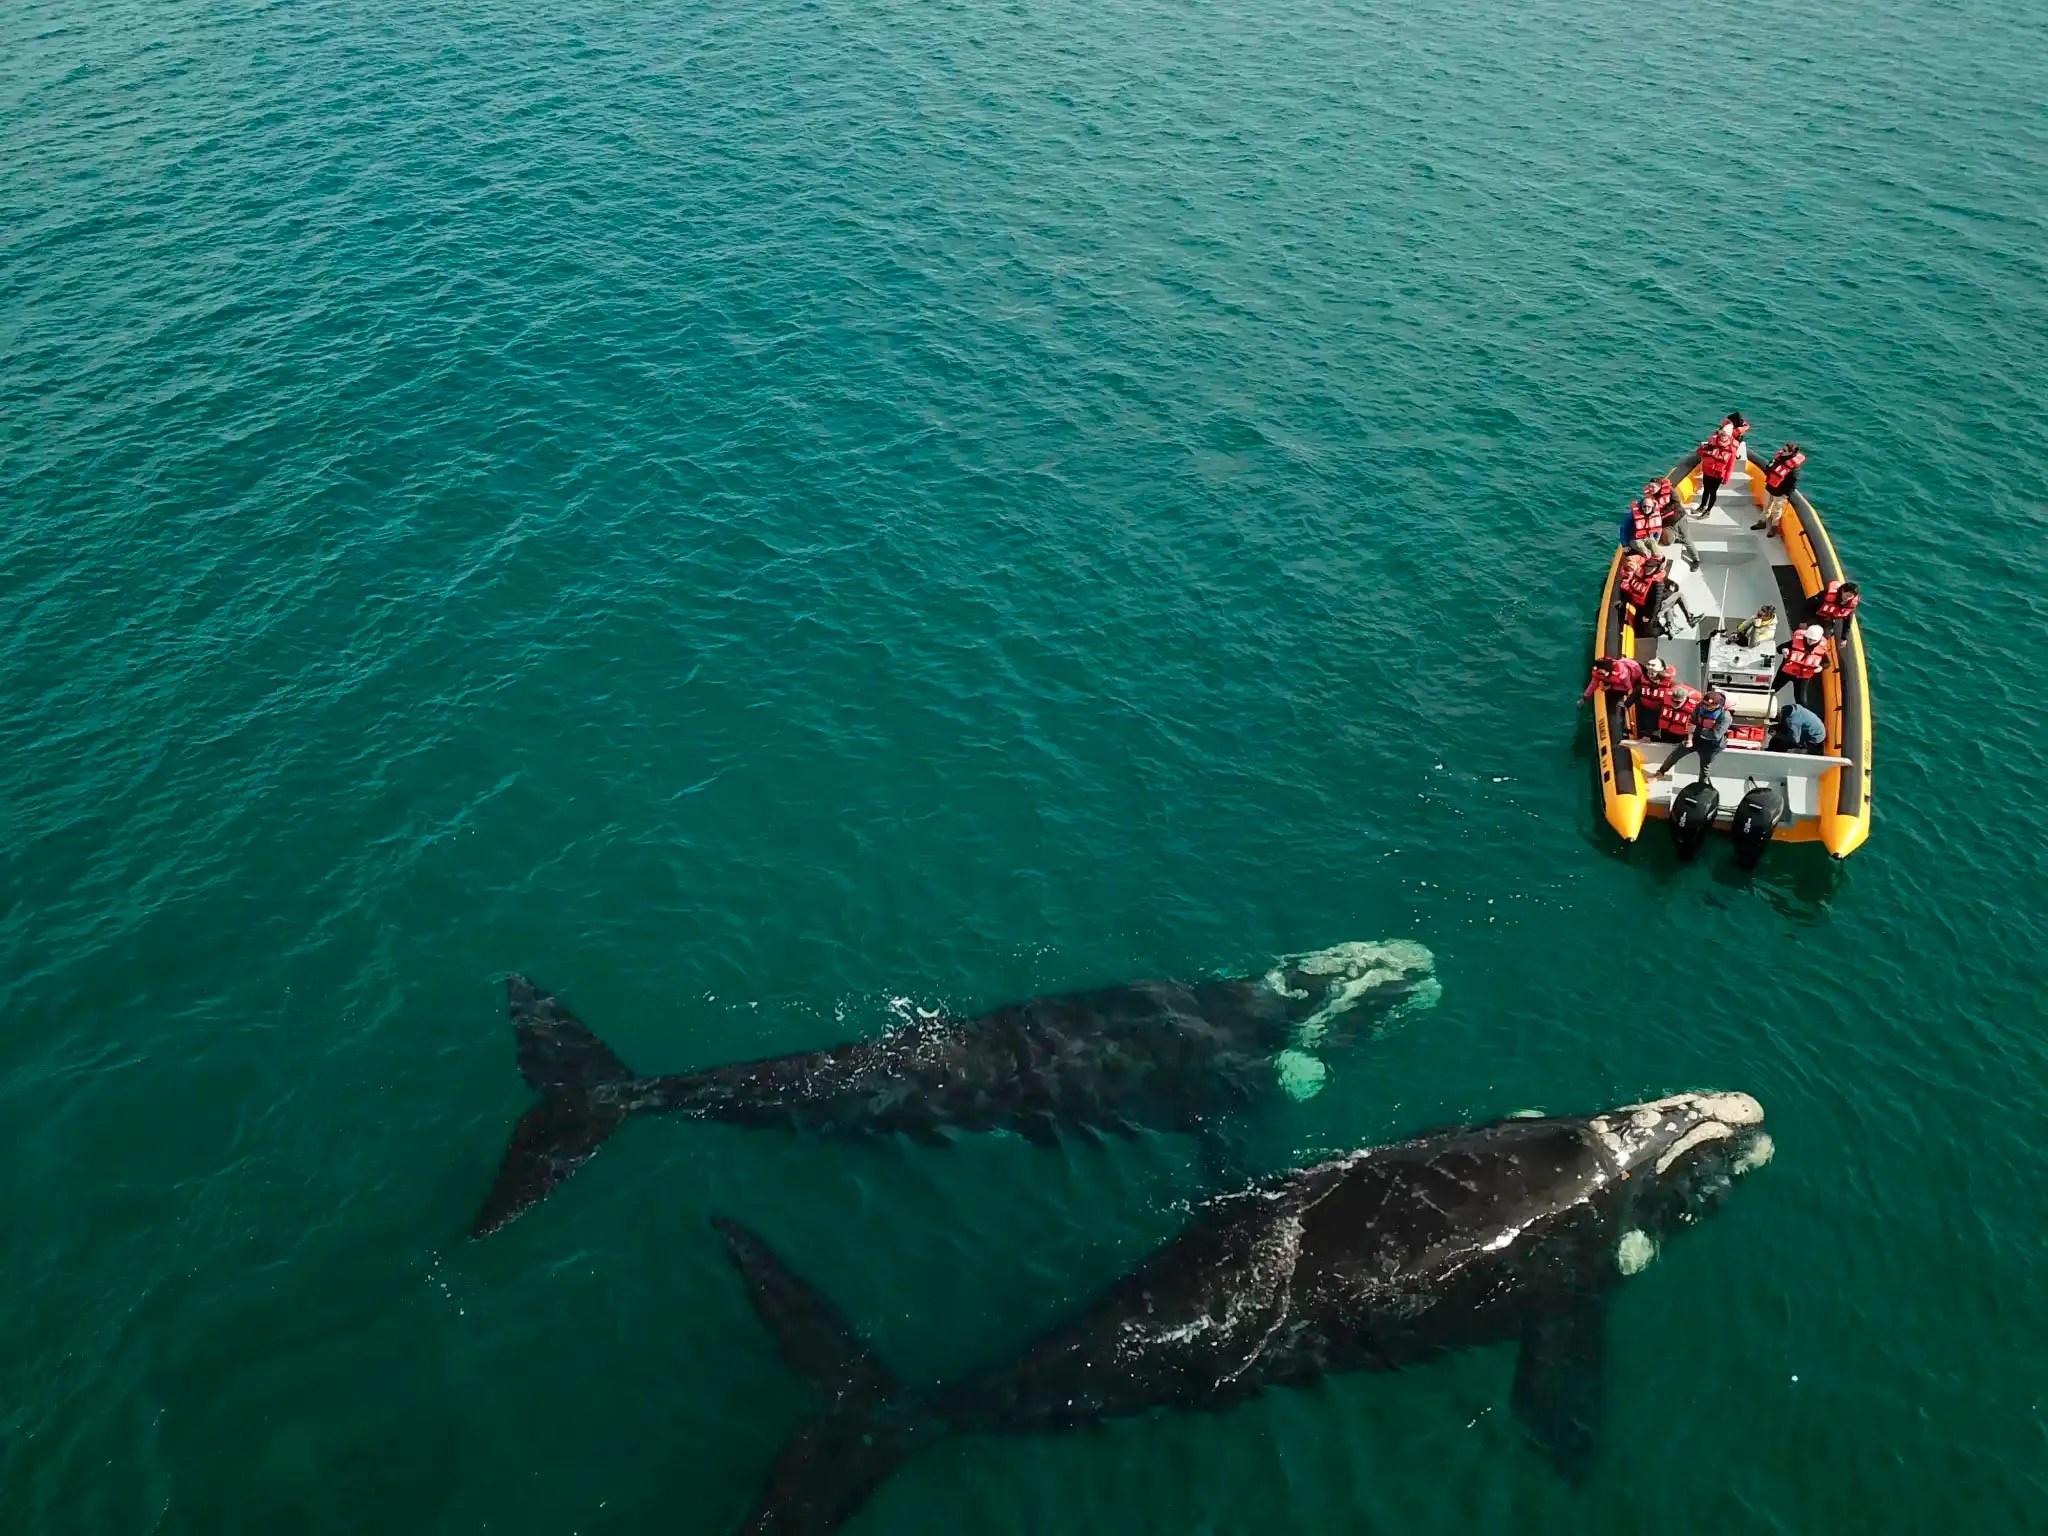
[1560,1382]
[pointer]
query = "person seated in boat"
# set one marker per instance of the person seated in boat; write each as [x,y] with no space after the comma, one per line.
[1717,458]
[1643,528]
[1798,729]
[1801,659]
[1638,581]
[1759,631]
[1781,479]
[1614,674]
[1833,604]
[1734,422]
[1710,724]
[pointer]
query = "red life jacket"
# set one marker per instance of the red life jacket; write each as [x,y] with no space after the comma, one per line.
[1740,432]
[1716,457]
[1645,519]
[1835,605]
[1781,468]
[1804,659]
[1637,588]
[1676,709]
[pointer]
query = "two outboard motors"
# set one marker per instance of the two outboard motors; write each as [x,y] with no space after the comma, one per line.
[1760,813]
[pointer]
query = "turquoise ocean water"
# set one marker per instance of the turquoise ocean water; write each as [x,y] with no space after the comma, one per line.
[752,513]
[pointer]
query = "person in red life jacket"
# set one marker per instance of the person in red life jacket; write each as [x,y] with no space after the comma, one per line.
[1833,604]
[1711,721]
[1781,479]
[1800,660]
[1675,704]
[1660,683]
[1734,422]
[1644,528]
[1645,596]
[1717,458]
[1614,674]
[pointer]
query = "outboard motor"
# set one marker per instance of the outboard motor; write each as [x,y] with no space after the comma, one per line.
[1692,816]
[1760,813]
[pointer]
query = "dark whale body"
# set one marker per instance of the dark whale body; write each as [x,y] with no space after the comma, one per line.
[1508,1232]
[1156,1055]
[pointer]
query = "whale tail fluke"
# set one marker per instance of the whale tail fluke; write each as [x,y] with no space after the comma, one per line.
[862,1433]
[572,1068]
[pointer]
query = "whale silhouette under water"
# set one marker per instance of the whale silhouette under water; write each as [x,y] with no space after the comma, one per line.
[1162,1055]
[1509,1232]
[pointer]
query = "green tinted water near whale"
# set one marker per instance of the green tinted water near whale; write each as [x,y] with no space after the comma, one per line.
[748,516]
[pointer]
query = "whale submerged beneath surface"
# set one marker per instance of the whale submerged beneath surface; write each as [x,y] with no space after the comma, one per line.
[1509,1232]
[1162,1055]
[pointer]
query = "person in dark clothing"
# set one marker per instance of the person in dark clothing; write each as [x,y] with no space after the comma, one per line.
[1798,729]
[1711,722]
[1781,479]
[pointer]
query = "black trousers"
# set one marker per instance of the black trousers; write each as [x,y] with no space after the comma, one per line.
[1706,746]
[1710,492]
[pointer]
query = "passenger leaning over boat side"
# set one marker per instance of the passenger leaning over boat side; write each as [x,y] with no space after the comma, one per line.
[1801,659]
[1614,674]
[1833,604]
[1711,722]
[1717,457]
[1781,479]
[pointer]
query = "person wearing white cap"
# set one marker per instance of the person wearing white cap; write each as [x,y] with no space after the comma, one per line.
[1802,658]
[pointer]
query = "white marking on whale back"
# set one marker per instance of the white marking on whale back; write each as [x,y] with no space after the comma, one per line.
[1356,970]
[1633,1253]
[1526,1114]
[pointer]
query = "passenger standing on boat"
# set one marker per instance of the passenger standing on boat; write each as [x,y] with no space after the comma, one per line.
[1833,604]
[1801,659]
[1781,479]
[1717,457]
[1711,722]
[1734,421]
[1799,730]
[1614,674]
[1655,697]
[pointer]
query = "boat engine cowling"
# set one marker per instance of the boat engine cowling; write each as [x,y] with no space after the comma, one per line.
[1760,813]
[1692,816]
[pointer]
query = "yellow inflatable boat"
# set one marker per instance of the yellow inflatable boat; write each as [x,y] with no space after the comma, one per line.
[1720,573]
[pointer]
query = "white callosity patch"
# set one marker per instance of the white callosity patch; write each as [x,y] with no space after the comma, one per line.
[1353,972]
[1633,1253]
[1698,1136]
[1301,1075]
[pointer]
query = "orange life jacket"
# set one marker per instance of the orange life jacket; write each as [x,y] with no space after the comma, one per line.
[1805,658]
[1834,604]
[1675,711]
[1783,467]
[1716,457]
[1645,518]
[1637,588]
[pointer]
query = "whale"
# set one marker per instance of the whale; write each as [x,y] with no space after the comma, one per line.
[1164,1055]
[1513,1232]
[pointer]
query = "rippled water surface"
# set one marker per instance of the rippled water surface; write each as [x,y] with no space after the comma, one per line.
[750,513]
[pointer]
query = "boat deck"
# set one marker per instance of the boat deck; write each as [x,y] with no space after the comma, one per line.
[1730,573]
